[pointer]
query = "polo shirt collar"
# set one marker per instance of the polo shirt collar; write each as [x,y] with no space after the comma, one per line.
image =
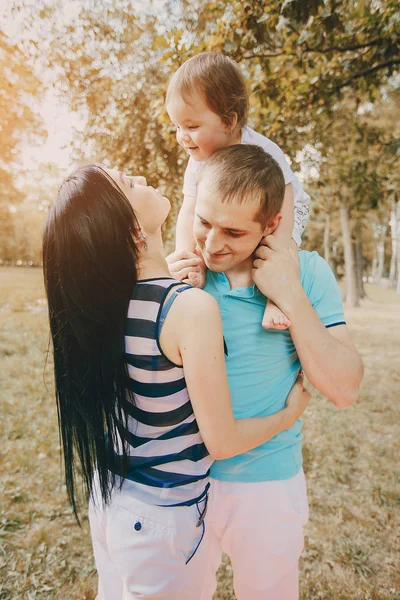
[242,292]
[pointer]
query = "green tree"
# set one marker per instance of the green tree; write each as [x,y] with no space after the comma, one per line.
[354,172]
[302,57]
[111,63]
[303,63]
[18,121]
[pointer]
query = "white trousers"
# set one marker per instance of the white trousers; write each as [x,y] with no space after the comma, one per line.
[146,551]
[260,527]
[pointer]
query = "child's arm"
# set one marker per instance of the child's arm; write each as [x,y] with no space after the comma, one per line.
[273,317]
[185,242]
[184,225]
[283,233]
[287,226]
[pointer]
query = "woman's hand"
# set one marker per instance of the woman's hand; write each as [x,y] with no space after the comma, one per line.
[297,401]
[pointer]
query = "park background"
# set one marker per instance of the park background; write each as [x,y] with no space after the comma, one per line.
[85,81]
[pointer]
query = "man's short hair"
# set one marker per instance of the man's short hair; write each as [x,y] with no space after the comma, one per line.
[244,173]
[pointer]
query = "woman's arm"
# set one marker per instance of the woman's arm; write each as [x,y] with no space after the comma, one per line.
[194,324]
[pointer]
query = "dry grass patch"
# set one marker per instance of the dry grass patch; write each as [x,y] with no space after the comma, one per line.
[350,458]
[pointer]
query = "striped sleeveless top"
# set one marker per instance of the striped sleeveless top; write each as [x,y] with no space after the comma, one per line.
[168,462]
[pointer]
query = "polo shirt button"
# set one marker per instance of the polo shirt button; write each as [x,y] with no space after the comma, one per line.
[138,526]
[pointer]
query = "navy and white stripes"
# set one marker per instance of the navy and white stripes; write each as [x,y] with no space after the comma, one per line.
[168,462]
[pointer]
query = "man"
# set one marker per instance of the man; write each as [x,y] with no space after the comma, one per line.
[258,502]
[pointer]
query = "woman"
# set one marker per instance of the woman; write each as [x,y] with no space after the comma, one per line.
[142,393]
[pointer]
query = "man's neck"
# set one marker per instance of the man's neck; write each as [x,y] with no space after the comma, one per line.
[240,276]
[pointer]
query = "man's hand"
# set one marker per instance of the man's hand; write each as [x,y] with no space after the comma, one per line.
[276,272]
[188,267]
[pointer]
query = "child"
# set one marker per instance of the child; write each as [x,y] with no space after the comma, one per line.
[207,101]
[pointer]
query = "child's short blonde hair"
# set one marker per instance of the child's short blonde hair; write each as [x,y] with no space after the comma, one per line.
[219,79]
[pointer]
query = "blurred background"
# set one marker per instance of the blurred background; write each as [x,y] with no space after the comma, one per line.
[85,80]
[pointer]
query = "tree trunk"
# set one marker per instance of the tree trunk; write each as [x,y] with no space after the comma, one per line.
[395,233]
[359,259]
[334,260]
[380,251]
[374,264]
[352,298]
[326,240]
[398,274]
[398,245]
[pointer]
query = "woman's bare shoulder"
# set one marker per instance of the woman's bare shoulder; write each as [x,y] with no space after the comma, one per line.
[196,301]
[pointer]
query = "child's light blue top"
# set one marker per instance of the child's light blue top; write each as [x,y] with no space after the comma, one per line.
[263,365]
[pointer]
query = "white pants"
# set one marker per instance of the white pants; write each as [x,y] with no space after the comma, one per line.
[146,551]
[260,527]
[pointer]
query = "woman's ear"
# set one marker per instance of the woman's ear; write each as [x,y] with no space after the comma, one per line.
[272,225]
[139,238]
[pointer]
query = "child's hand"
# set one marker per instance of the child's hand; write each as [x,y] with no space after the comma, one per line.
[185,265]
[197,278]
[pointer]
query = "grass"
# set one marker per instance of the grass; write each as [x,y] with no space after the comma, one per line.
[350,458]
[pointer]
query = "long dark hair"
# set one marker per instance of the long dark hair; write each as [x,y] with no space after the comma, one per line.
[89,264]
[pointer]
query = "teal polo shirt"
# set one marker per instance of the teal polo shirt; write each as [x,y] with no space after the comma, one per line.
[263,365]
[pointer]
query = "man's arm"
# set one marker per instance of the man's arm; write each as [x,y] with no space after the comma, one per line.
[327,355]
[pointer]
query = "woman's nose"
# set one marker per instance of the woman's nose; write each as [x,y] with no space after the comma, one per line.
[139,180]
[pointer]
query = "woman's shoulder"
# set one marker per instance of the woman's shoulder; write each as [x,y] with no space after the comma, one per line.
[194,308]
[194,312]
[194,300]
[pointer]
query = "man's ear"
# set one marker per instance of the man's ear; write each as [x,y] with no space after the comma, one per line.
[272,225]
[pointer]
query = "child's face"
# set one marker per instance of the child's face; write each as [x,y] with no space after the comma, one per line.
[200,131]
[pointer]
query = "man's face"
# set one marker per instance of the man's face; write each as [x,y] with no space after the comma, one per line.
[226,233]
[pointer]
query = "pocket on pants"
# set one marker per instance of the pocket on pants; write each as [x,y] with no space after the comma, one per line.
[150,547]
[192,530]
[137,521]
[140,549]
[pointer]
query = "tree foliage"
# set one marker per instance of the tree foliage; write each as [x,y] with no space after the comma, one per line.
[302,57]
[19,86]
[320,74]
[17,118]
